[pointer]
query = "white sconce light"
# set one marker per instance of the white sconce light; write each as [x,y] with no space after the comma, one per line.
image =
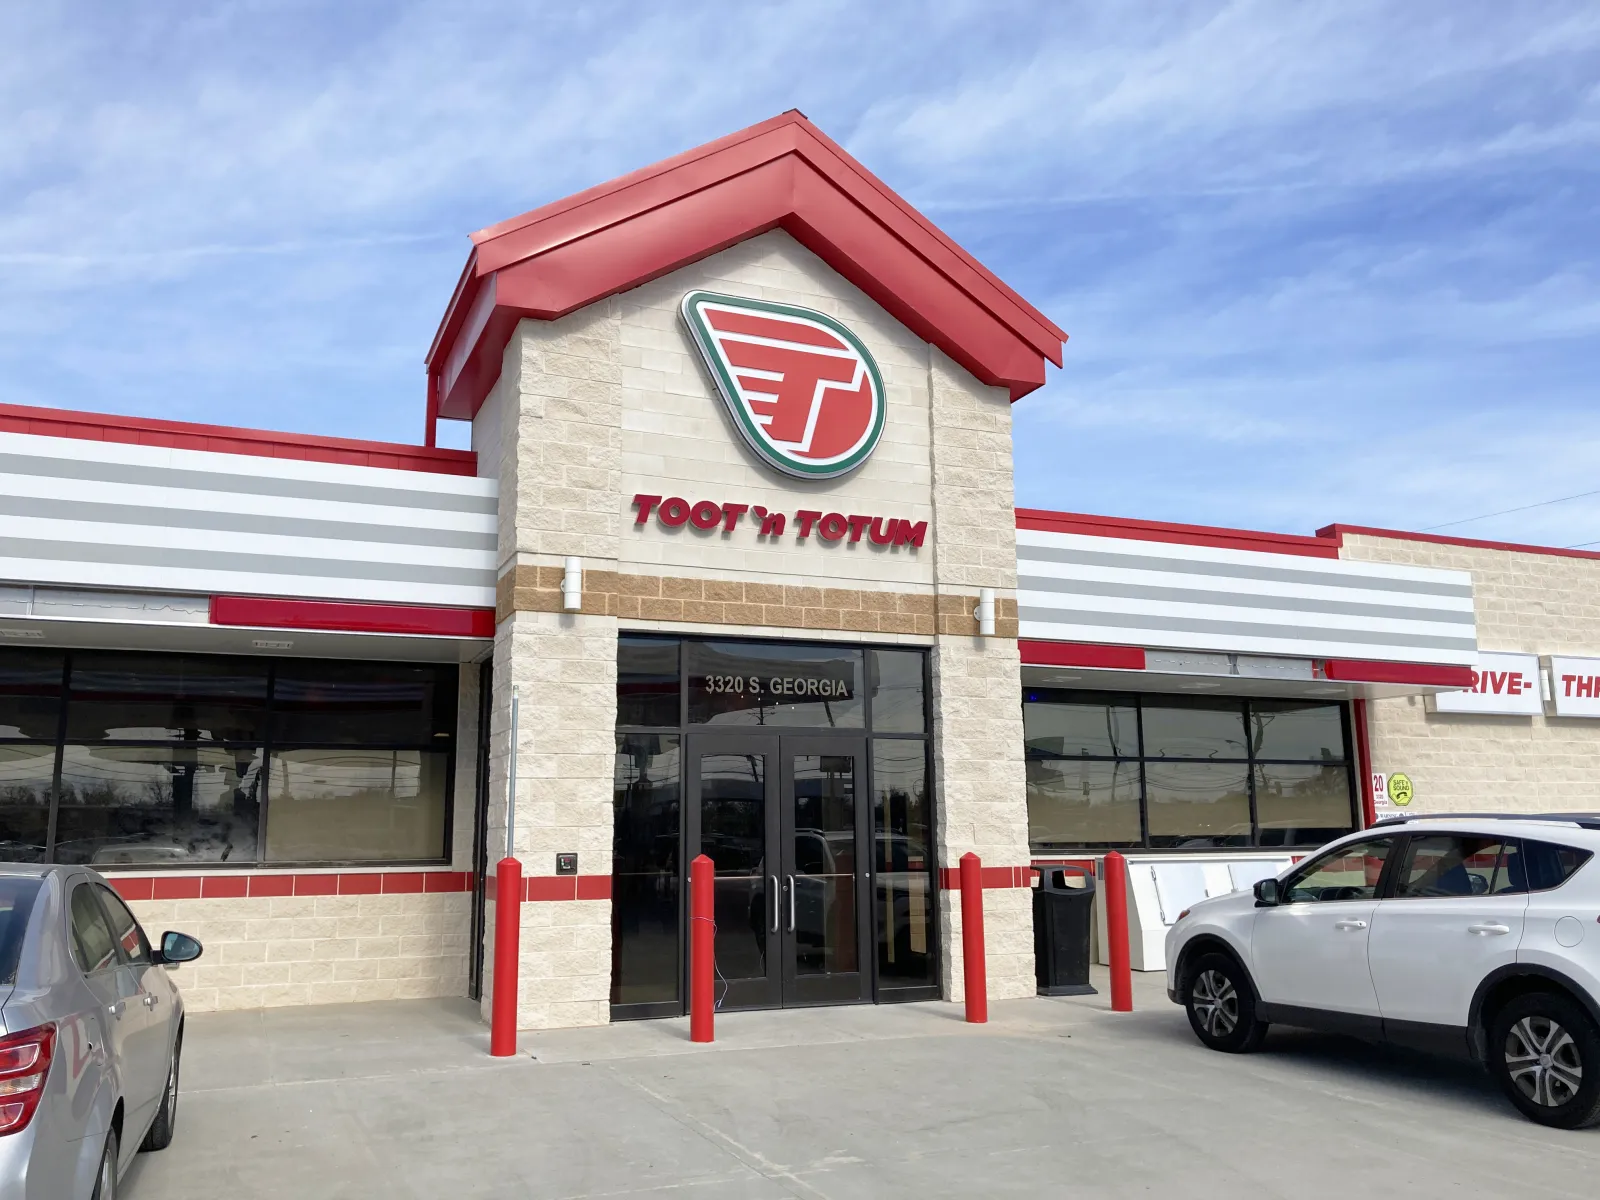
[572,585]
[984,613]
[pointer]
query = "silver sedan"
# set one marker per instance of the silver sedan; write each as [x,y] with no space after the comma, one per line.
[91,1029]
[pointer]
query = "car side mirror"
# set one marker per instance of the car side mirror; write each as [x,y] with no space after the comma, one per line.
[178,948]
[1269,893]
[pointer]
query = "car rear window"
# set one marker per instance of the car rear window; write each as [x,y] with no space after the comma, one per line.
[17,894]
[1550,864]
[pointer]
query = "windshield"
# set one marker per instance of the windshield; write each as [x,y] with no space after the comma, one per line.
[17,894]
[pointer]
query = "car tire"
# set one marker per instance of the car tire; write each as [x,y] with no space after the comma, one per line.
[1544,1051]
[1222,1005]
[159,1136]
[105,1178]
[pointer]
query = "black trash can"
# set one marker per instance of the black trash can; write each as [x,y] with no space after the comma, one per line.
[1061,922]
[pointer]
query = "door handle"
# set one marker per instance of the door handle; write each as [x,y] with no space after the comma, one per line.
[790,890]
[1487,927]
[777,899]
[116,1009]
[1349,924]
[151,999]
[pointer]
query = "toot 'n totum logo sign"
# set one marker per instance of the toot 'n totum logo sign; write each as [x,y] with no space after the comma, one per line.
[803,390]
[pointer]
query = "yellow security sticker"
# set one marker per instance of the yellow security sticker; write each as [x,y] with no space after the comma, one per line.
[1400,789]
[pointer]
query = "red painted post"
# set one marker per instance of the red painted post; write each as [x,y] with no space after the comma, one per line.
[507,952]
[972,956]
[1117,932]
[702,950]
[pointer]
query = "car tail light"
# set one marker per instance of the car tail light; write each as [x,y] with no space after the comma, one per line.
[24,1067]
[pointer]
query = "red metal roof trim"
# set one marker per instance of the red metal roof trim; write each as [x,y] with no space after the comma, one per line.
[226,439]
[783,173]
[1186,535]
[1337,533]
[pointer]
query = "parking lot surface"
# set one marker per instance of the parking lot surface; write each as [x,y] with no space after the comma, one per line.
[1052,1097]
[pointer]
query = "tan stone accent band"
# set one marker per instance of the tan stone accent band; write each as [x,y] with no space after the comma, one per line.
[732,602]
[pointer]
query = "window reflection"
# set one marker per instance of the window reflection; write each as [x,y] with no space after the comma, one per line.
[1072,802]
[160,697]
[30,694]
[1197,805]
[1175,727]
[645,873]
[903,836]
[158,805]
[355,805]
[897,701]
[1203,782]
[753,683]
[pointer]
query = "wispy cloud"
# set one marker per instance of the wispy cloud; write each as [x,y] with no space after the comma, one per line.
[1332,260]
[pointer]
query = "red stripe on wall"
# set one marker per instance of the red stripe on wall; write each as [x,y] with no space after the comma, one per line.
[347,617]
[308,883]
[1419,674]
[993,877]
[1081,654]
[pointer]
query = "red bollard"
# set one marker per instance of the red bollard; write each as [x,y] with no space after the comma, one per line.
[507,951]
[972,955]
[1117,932]
[702,950]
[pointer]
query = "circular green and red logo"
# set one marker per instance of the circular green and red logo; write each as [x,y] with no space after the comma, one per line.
[802,389]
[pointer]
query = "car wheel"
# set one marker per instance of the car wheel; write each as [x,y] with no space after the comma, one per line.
[160,1135]
[105,1180]
[1545,1051]
[1222,1006]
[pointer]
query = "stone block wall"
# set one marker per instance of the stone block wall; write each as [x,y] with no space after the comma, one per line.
[266,951]
[1524,602]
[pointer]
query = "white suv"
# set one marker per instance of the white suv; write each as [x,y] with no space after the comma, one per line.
[1464,935]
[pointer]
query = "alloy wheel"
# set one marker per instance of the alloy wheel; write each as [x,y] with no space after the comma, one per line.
[1543,1061]
[1216,1003]
[107,1189]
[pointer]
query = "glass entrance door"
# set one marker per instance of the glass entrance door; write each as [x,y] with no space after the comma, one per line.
[784,821]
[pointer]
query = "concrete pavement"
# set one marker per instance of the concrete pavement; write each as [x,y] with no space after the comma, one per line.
[400,1100]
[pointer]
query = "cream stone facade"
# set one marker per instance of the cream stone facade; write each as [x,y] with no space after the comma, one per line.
[612,401]
[1526,600]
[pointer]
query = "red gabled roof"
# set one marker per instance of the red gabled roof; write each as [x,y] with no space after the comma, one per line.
[781,174]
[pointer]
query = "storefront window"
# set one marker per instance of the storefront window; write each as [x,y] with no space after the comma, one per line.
[647,681]
[350,805]
[186,760]
[1083,801]
[30,695]
[903,828]
[897,700]
[1121,770]
[646,807]
[775,684]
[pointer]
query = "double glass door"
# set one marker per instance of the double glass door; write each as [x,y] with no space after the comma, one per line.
[784,820]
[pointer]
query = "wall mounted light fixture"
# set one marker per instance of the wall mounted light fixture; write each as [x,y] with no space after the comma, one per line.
[984,613]
[572,585]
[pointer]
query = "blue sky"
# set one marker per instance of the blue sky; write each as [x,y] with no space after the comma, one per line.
[1320,261]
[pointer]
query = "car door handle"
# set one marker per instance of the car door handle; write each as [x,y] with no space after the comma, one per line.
[151,999]
[1486,928]
[1349,924]
[116,1009]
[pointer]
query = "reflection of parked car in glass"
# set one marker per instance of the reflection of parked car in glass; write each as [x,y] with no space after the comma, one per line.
[91,1031]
